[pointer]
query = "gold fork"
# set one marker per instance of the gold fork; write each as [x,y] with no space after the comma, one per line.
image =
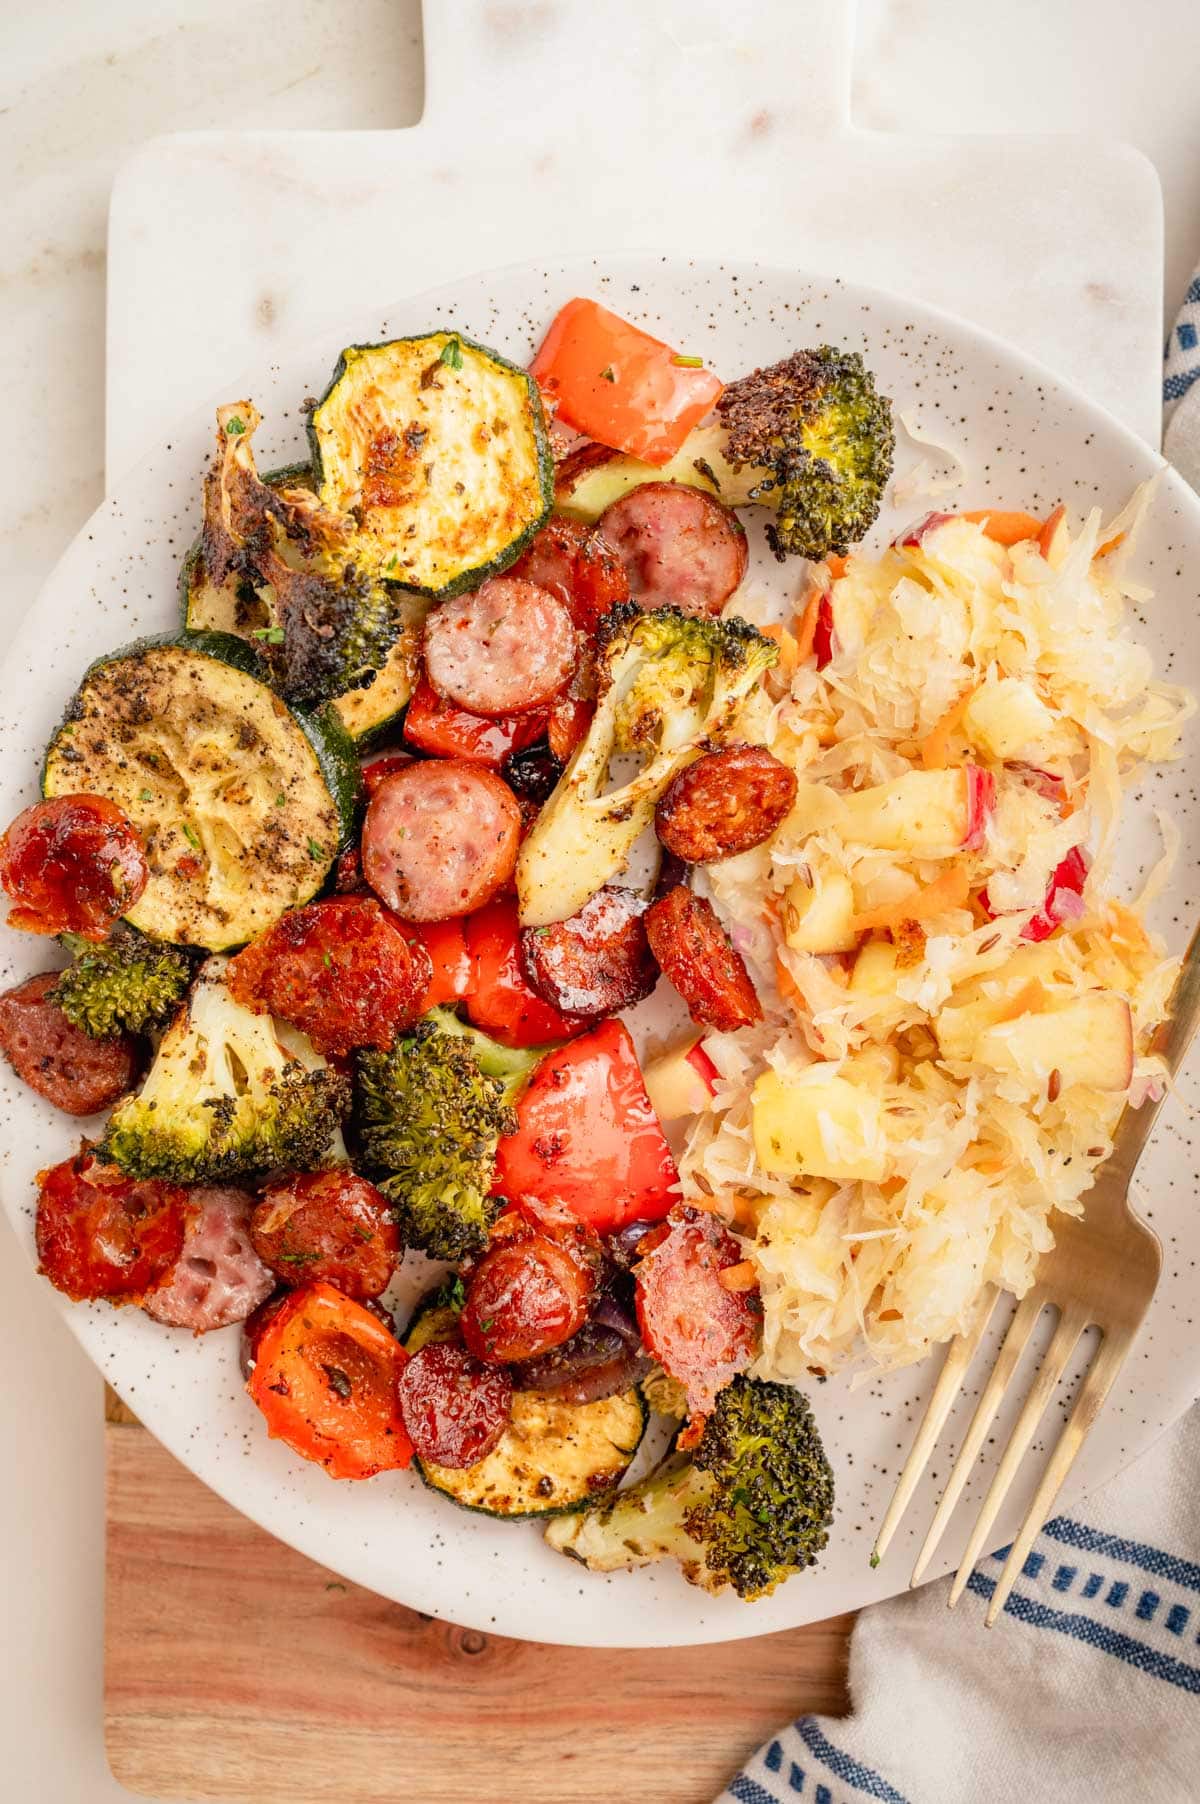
[1101,1273]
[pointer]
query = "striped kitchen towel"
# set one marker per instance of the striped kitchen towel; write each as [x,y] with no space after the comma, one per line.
[1181,354]
[1181,389]
[1088,1689]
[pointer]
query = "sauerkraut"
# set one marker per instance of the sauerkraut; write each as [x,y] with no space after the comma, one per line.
[957,1007]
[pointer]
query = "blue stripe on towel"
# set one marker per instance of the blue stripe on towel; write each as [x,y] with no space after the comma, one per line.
[844,1766]
[1134,1553]
[1093,1634]
[749,1791]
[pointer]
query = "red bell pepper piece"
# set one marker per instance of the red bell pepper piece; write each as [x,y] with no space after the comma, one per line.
[618,385]
[437,726]
[446,944]
[589,1138]
[499,1000]
[386,765]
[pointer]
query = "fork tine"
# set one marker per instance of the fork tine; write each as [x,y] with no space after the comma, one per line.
[1019,1330]
[1071,1325]
[961,1352]
[1095,1389]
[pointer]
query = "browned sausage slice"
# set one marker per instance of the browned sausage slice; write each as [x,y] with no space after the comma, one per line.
[62,1063]
[680,547]
[329,1226]
[696,955]
[440,838]
[218,1278]
[725,803]
[597,961]
[504,649]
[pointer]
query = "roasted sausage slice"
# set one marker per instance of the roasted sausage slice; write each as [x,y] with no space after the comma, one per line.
[455,1407]
[101,1235]
[218,1278]
[695,954]
[597,961]
[71,864]
[331,1225]
[340,970]
[440,839]
[702,1333]
[573,562]
[679,546]
[725,803]
[507,647]
[527,1294]
[69,1068]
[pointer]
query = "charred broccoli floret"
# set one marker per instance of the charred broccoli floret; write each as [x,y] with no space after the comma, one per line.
[818,440]
[430,1113]
[229,1092]
[748,1508]
[331,630]
[329,627]
[671,686]
[127,985]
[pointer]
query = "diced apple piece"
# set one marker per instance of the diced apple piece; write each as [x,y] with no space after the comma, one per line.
[960,1027]
[1027,961]
[816,809]
[924,812]
[678,1082]
[1006,718]
[872,1066]
[1087,1041]
[874,972]
[819,917]
[982,1002]
[816,1124]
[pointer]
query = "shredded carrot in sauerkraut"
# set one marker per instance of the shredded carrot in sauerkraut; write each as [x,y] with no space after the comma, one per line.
[981,1066]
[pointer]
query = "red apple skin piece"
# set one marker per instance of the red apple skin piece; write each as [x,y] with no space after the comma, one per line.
[680,1083]
[825,640]
[1064,897]
[700,1062]
[915,535]
[981,801]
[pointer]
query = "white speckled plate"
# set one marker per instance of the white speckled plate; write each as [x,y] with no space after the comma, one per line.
[1029,442]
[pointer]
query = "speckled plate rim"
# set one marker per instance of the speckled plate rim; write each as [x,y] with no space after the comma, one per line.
[391,1535]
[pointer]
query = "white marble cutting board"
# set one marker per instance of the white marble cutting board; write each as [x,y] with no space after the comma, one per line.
[565,127]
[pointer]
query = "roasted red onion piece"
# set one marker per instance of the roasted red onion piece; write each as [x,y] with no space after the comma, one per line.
[603,1358]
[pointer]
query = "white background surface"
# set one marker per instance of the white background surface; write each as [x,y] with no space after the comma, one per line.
[82,84]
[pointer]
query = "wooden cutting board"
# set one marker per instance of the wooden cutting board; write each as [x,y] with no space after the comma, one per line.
[235,1668]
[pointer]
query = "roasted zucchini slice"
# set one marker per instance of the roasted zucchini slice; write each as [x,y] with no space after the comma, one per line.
[591,479]
[242,802]
[553,1456]
[438,449]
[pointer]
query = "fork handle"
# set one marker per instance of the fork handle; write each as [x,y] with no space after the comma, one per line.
[1170,1042]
